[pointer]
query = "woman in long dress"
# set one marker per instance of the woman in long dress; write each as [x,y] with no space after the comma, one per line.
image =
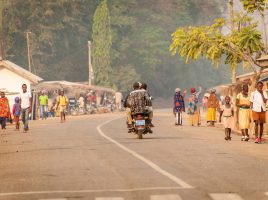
[213,105]
[243,103]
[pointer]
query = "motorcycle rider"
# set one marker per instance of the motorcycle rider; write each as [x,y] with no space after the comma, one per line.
[150,107]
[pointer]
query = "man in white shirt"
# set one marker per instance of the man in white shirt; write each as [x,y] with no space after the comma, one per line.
[258,100]
[25,106]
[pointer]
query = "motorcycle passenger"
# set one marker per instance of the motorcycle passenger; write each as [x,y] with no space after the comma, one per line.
[150,107]
[128,113]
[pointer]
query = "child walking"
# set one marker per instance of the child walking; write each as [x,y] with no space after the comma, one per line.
[227,112]
[16,113]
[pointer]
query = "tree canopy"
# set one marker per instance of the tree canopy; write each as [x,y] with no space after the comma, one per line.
[242,44]
[140,32]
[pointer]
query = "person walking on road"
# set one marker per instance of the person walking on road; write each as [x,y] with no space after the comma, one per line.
[179,106]
[25,106]
[191,110]
[205,102]
[213,105]
[4,110]
[258,100]
[16,113]
[243,103]
[43,100]
[195,95]
[118,101]
[62,102]
[227,112]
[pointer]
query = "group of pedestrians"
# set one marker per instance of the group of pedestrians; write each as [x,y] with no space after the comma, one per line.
[255,104]
[193,109]
[250,107]
[22,107]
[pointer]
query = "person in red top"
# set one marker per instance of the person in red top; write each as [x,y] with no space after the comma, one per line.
[4,110]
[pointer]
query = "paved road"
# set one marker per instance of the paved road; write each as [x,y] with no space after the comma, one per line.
[92,157]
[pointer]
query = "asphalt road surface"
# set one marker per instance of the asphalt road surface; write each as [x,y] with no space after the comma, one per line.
[93,157]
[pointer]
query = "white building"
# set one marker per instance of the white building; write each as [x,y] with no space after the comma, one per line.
[12,77]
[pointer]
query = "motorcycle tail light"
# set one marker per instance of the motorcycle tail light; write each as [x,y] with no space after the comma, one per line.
[139,117]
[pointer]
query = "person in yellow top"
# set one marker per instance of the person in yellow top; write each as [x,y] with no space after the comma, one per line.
[62,102]
[243,103]
[213,105]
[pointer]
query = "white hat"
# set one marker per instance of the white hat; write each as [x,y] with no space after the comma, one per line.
[177,90]
[207,95]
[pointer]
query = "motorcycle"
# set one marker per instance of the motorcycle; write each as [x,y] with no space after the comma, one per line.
[91,108]
[73,107]
[141,125]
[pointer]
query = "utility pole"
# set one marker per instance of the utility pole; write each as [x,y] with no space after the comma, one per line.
[90,68]
[231,12]
[2,43]
[262,13]
[29,51]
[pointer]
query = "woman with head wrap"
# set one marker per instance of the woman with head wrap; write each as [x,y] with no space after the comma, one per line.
[213,105]
[191,110]
[195,96]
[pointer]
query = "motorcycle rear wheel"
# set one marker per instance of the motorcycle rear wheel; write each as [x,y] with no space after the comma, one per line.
[140,134]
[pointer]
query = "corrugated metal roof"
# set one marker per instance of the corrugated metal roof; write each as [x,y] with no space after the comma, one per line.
[263,58]
[20,71]
[65,84]
[265,78]
[249,74]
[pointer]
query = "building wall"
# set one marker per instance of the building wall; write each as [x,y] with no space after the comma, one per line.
[12,82]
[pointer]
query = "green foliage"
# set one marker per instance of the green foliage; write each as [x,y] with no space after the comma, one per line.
[253,5]
[140,40]
[209,42]
[102,41]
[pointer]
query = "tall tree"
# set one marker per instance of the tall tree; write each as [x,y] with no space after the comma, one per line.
[231,11]
[259,6]
[2,27]
[208,41]
[102,42]
[140,36]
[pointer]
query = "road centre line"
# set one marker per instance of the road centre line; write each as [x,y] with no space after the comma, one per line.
[109,198]
[165,197]
[143,159]
[54,199]
[89,191]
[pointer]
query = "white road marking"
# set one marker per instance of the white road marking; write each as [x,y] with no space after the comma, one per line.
[89,191]
[53,199]
[225,196]
[165,197]
[109,198]
[146,161]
